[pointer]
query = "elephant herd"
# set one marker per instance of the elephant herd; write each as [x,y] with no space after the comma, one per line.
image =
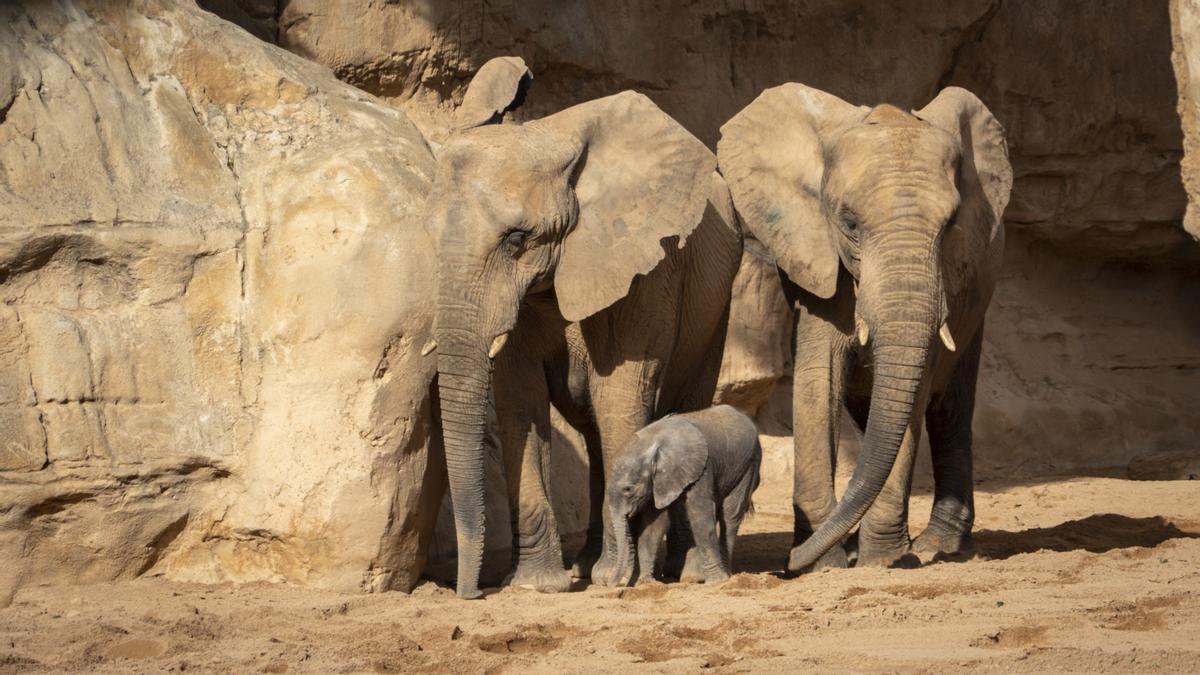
[586,261]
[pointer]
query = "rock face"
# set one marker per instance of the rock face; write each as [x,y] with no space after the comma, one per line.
[1090,330]
[215,294]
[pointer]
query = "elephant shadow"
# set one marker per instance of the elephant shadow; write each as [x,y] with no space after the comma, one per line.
[758,552]
[761,552]
[1096,534]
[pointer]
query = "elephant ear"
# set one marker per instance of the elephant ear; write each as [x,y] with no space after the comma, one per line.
[772,154]
[499,86]
[641,178]
[985,172]
[679,463]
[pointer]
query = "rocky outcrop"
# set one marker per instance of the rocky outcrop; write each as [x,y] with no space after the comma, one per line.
[215,293]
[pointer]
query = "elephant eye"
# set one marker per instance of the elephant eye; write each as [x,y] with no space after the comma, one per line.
[514,240]
[626,490]
[849,221]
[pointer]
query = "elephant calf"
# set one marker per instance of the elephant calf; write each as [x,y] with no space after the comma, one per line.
[700,468]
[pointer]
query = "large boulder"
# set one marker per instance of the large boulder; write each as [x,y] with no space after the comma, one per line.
[216,288]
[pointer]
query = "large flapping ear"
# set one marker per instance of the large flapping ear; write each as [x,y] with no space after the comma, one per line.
[642,178]
[985,168]
[498,86]
[679,463]
[772,154]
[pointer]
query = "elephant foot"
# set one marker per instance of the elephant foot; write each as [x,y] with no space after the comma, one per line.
[834,558]
[716,577]
[692,571]
[934,546]
[540,578]
[885,553]
[604,570]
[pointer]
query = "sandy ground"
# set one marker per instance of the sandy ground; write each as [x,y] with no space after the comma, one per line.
[1083,575]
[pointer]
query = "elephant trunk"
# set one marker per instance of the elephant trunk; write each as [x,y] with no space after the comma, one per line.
[626,550]
[904,301]
[464,374]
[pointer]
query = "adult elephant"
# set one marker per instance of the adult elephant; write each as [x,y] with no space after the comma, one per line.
[886,226]
[586,261]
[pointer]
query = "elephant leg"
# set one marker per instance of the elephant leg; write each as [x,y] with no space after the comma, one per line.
[700,510]
[818,388]
[883,539]
[949,419]
[682,562]
[731,521]
[654,528]
[621,408]
[523,412]
[590,553]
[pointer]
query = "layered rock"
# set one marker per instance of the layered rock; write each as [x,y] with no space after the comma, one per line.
[215,292]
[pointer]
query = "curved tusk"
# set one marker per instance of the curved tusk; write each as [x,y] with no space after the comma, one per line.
[497,345]
[947,338]
[429,347]
[863,331]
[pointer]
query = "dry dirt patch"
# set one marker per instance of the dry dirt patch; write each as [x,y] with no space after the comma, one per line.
[1116,592]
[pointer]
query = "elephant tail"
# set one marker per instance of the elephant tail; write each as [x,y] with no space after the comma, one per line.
[755,478]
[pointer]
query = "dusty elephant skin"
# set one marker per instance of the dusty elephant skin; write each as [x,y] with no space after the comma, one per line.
[586,259]
[693,471]
[887,225]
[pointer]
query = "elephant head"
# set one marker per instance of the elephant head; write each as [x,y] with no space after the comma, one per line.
[659,465]
[575,204]
[825,185]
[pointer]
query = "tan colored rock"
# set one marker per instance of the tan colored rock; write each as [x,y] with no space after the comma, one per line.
[215,294]
[1185,56]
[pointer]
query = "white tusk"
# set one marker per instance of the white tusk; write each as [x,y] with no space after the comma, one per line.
[497,345]
[947,338]
[429,347]
[863,331]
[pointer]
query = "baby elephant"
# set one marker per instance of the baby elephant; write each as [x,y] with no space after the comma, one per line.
[700,468]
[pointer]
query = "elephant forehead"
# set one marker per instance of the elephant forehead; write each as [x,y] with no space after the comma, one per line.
[914,144]
[495,149]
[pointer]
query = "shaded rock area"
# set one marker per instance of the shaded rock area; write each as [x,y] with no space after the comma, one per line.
[1092,351]
[211,261]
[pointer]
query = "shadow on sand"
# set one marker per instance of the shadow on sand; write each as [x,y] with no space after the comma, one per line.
[1097,534]
[768,551]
